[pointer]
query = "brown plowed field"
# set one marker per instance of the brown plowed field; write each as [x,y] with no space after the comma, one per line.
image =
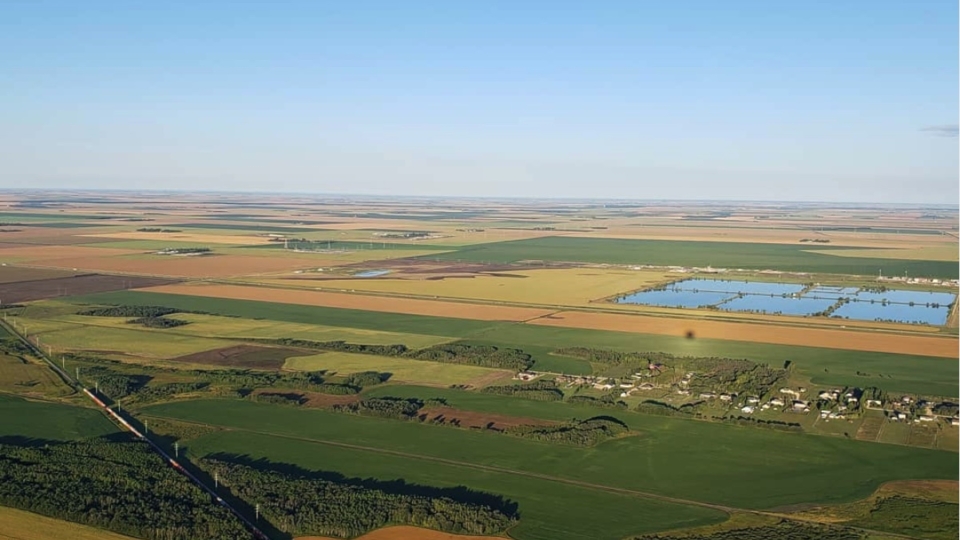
[13,274]
[181,266]
[41,289]
[403,532]
[474,419]
[324,401]
[51,253]
[356,301]
[781,335]
[244,356]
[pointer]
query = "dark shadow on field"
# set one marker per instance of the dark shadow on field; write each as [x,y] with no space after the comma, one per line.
[30,442]
[461,494]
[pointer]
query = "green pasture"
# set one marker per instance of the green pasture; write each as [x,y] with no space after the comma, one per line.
[548,510]
[738,466]
[350,318]
[401,369]
[116,341]
[892,372]
[755,256]
[53,421]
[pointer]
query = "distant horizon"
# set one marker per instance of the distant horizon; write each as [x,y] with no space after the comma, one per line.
[740,100]
[361,196]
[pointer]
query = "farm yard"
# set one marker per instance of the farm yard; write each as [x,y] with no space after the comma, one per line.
[474,359]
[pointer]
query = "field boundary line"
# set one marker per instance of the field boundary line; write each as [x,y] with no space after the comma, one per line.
[502,470]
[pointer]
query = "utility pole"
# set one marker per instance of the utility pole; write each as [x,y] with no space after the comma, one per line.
[146,427]
[176,449]
[216,480]
[258,511]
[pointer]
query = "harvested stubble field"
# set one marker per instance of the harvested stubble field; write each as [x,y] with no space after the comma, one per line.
[243,357]
[26,377]
[236,327]
[354,301]
[180,265]
[552,287]
[51,255]
[26,291]
[400,369]
[939,346]
[14,274]
[120,343]
[184,236]
[20,525]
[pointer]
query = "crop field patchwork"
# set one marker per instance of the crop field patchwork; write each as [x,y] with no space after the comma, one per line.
[123,342]
[794,258]
[20,376]
[479,312]
[401,369]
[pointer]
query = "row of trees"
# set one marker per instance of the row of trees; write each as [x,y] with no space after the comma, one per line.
[302,502]
[588,432]
[605,402]
[785,530]
[537,390]
[119,486]
[451,353]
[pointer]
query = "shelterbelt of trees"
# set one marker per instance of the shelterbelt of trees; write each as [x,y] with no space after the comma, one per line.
[115,484]
[302,502]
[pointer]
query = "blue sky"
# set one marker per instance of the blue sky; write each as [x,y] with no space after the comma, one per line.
[814,100]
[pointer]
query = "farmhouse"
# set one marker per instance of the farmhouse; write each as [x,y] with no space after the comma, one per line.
[748,409]
[753,400]
[707,395]
[926,418]
[955,421]
[725,397]
[874,403]
[800,405]
[527,375]
[790,392]
[777,402]
[828,396]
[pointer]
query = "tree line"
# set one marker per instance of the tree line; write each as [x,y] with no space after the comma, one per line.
[117,485]
[537,391]
[785,530]
[303,503]
[588,432]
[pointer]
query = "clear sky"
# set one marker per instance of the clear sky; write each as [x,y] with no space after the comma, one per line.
[824,100]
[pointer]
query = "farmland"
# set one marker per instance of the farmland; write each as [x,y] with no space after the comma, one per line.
[851,469]
[790,258]
[20,525]
[373,349]
[919,374]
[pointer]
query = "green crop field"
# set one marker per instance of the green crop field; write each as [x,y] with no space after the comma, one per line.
[401,369]
[786,257]
[51,421]
[717,463]
[18,376]
[549,510]
[128,342]
[351,318]
[892,372]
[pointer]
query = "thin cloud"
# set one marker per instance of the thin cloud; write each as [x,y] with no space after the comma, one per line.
[943,131]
